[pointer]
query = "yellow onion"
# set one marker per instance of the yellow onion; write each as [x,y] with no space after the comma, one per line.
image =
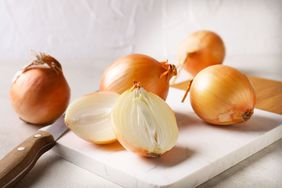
[222,95]
[144,123]
[153,75]
[39,92]
[89,117]
[200,50]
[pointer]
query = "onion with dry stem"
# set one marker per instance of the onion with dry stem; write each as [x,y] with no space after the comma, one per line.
[200,50]
[153,75]
[39,92]
[144,123]
[222,95]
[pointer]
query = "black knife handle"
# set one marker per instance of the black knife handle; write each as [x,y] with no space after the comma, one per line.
[18,162]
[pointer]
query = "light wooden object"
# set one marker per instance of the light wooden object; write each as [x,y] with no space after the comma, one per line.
[268,93]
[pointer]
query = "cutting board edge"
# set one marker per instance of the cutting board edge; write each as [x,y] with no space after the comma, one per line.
[256,145]
[192,180]
[97,167]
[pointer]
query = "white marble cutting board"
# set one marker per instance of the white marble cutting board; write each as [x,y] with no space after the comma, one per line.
[202,150]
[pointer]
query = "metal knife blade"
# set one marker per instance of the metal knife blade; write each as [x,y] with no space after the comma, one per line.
[57,129]
[17,163]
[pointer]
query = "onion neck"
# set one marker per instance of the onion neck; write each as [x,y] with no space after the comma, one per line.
[136,85]
[41,61]
[45,60]
[170,70]
[187,90]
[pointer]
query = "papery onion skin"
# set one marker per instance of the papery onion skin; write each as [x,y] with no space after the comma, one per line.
[153,75]
[200,50]
[89,117]
[222,95]
[40,95]
[130,135]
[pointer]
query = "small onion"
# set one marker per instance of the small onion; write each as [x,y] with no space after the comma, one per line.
[153,75]
[39,92]
[222,95]
[89,117]
[144,123]
[200,50]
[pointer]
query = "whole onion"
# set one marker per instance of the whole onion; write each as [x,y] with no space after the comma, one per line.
[154,76]
[39,92]
[200,50]
[222,95]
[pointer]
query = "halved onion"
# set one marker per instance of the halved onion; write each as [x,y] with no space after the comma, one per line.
[144,123]
[89,117]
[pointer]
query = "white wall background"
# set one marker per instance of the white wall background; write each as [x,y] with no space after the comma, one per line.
[90,29]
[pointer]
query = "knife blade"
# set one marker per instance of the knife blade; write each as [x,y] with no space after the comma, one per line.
[57,129]
[18,162]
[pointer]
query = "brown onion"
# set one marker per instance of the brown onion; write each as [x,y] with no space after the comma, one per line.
[222,95]
[200,50]
[153,75]
[39,92]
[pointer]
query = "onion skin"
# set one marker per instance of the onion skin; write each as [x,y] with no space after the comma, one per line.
[40,95]
[200,50]
[137,150]
[222,95]
[153,75]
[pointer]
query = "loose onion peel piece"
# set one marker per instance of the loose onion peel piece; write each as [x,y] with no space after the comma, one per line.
[39,92]
[222,95]
[153,75]
[144,123]
[89,117]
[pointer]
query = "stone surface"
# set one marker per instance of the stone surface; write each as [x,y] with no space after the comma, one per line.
[202,150]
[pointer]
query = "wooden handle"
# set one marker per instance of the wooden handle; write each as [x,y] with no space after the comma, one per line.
[16,164]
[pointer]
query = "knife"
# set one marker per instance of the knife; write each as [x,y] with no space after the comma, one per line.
[18,162]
